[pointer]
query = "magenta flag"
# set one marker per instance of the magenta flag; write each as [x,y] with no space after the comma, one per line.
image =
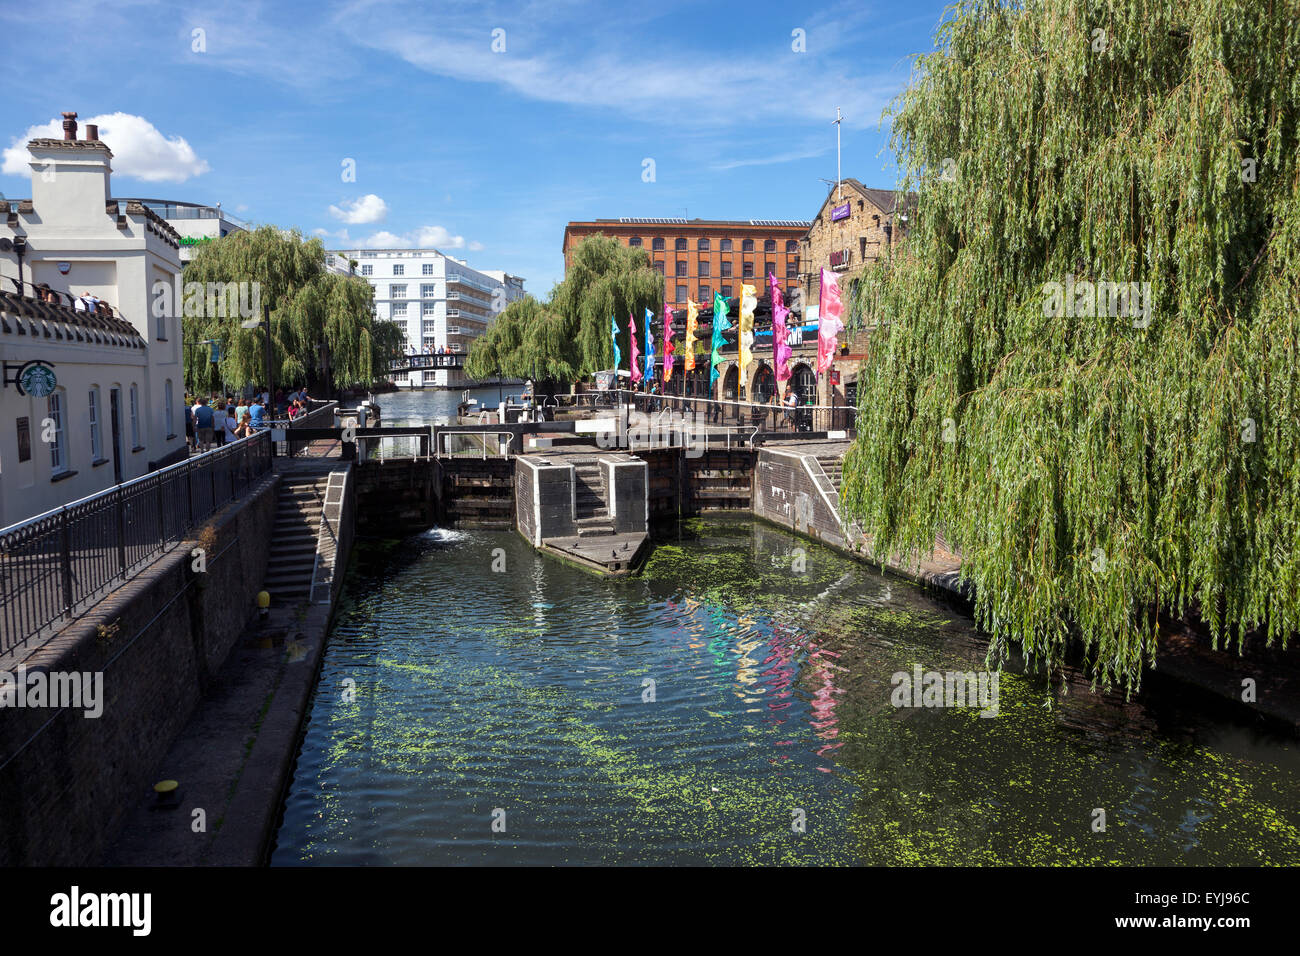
[780,334]
[636,354]
[830,326]
[668,343]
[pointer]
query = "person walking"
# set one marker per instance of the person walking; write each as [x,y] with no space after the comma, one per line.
[203,419]
[257,414]
[189,425]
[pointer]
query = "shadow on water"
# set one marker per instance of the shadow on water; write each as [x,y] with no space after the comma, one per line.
[733,704]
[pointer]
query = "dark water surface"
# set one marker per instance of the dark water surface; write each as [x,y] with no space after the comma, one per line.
[526,691]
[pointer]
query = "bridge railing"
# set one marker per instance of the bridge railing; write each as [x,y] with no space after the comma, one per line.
[473,443]
[56,565]
[767,417]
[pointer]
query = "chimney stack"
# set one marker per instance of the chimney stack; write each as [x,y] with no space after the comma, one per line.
[92,132]
[70,126]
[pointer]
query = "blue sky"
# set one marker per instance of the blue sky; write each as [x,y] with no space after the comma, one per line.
[483,154]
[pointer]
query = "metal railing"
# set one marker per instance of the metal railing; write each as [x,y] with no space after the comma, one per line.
[471,443]
[769,418]
[56,565]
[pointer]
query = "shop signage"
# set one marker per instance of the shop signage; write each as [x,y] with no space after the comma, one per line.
[34,378]
[841,211]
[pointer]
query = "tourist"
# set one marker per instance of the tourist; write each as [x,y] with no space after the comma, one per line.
[791,403]
[189,424]
[203,419]
[230,425]
[246,429]
[257,413]
[242,409]
[218,422]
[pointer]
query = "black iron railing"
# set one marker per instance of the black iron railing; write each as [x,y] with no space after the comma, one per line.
[56,565]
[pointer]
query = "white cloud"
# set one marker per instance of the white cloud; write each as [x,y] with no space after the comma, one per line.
[425,237]
[369,208]
[475,246]
[140,150]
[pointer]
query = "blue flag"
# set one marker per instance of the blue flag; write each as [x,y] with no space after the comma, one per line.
[649,350]
[613,334]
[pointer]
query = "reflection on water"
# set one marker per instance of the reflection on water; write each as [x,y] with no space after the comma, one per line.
[698,713]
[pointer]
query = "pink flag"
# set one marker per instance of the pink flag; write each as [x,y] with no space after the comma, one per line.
[780,347]
[636,354]
[668,343]
[830,326]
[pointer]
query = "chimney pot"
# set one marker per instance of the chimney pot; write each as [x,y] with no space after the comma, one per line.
[70,126]
[92,132]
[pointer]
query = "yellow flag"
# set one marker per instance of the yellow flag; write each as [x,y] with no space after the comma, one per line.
[748,299]
[692,313]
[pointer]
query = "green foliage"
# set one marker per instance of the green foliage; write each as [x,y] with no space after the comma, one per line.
[310,309]
[1095,471]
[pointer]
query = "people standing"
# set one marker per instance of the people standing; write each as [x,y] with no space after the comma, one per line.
[257,413]
[189,425]
[203,419]
[230,425]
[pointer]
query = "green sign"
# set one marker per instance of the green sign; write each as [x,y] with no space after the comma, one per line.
[38,380]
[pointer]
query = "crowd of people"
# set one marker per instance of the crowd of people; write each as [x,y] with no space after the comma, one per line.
[211,421]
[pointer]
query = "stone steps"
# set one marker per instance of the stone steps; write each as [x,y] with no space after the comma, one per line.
[291,564]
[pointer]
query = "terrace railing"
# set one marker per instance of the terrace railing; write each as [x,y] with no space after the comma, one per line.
[58,564]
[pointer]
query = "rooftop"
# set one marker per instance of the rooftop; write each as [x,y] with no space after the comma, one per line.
[24,315]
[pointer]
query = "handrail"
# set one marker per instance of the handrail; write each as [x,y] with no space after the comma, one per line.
[438,448]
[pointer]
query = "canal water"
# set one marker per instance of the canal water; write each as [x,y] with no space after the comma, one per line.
[732,705]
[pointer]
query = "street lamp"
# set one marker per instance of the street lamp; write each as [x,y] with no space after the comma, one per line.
[265,324]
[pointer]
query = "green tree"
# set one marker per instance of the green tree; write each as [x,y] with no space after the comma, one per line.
[604,279]
[1095,469]
[315,314]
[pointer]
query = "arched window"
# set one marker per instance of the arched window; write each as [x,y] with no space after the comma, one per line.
[681,245]
[804,383]
[96,438]
[634,241]
[168,421]
[657,244]
[747,245]
[791,245]
[769,245]
[725,245]
[702,245]
[135,416]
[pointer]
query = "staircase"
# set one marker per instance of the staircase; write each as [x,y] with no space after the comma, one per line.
[834,467]
[589,509]
[292,562]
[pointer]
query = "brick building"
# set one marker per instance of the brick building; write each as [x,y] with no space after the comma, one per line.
[855,227]
[699,257]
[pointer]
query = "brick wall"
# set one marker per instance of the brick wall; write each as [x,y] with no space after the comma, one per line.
[67,781]
[785,494]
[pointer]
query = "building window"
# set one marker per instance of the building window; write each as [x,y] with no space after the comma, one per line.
[426,269]
[769,245]
[399,308]
[96,440]
[367,270]
[681,268]
[329,260]
[428,291]
[399,269]
[769,268]
[397,292]
[168,421]
[748,270]
[657,244]
[791,245]
[792,268]
[660,266]
[681,293]
[135,416]
[726,268]
[681,245]
[704,269]
[429,308]
[726,291]
[635,241]
[703,246]
[726,245]
[747,245]
[706,293]
[58,447]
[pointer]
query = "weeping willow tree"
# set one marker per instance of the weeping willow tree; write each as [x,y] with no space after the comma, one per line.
[318,318]
[527,340]
[1099,460]
[604,279]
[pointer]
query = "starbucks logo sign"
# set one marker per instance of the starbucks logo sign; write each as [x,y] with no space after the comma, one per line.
[38,380]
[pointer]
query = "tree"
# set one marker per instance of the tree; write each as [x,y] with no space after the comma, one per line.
[1126,456]
[310,309]
[527,340]
[604,280]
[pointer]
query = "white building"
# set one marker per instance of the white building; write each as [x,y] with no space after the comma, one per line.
[115,411]
[438,301]
[195,223]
